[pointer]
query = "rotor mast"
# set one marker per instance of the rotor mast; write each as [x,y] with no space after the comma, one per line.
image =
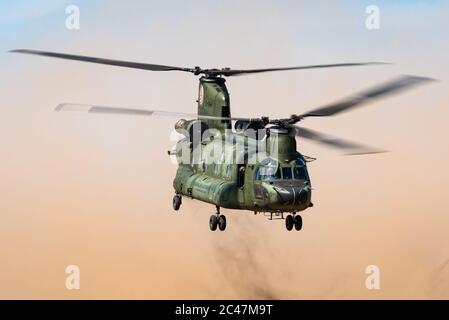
[213,101]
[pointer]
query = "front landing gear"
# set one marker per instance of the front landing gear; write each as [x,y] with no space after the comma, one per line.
[293,221]
[217,220]
[298,222]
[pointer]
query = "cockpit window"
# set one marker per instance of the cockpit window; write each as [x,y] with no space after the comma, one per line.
[287,173]
[300,171]
[300,161]
[268,170]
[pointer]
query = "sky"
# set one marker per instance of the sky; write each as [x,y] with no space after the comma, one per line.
[95,191]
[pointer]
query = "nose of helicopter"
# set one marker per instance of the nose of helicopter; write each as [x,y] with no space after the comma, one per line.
[293,195]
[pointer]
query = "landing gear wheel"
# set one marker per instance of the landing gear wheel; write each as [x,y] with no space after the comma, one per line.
[298,222]
[176,202]
[222,223]
[213,222]
[289,222]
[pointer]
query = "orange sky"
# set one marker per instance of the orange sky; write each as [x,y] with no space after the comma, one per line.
[95,191]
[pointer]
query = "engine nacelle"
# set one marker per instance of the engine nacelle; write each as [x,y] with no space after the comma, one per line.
[253,128]
[192,129]
[281,144]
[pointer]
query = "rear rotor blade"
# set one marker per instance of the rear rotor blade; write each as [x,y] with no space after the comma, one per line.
[381,91]
[139,112]
[117,110]
[351,148]
[119,63]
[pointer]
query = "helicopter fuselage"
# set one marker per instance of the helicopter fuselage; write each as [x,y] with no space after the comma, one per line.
[239,172]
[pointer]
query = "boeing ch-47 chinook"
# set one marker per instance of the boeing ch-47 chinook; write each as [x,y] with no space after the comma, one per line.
[254,167]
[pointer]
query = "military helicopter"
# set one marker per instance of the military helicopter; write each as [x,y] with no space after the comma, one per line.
[256,166]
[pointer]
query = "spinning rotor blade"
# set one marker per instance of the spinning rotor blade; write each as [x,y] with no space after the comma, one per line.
[381,91]
[119,63]
[116,110]
[351,148]
[236,72]
[227,72]
[139,112]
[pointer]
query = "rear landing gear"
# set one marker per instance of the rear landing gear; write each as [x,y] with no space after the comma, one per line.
[177,200]
[217,220]
[222,223]
[213,222]
[293,221]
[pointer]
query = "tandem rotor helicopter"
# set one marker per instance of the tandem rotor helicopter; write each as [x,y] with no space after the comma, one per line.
[272,179]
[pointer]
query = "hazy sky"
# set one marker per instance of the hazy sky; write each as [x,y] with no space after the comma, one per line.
[95,191]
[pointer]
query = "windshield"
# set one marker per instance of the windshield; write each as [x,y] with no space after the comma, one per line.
[300,172]
[268,170]
[287,173]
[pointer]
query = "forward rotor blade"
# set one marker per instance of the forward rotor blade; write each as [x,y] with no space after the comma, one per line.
[351,148]
[139,112]
[119,63]
[381,91]
[158,67]
[235,72]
